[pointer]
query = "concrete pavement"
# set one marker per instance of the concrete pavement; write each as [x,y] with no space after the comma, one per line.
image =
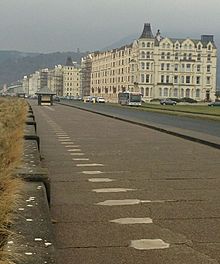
[106,172]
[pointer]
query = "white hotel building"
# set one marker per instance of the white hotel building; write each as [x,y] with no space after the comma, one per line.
[157,67]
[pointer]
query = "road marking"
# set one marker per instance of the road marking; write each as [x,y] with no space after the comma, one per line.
[77,154]
[67,142]
[132,221]
[92,172]
[82,159]
[74,150]
[64,139]
[112,190]
[74,146]
[100,180]
[89,165]
[70,146]
[51,109]
[131,202]
[149,244]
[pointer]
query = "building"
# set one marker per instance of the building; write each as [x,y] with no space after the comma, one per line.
[71,79]
[86,69]
[156,66]
[55,80]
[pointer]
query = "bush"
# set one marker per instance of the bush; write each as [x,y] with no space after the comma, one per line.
[12,121]
[188,100]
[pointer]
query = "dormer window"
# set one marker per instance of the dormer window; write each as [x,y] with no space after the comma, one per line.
[177,46]
[168,45]
[164,46]
[209,47]
[199,47]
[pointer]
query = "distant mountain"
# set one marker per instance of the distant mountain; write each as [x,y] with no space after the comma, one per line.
[126,40]
[14,65]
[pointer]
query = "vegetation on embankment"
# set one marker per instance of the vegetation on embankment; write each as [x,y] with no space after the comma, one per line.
[13,113]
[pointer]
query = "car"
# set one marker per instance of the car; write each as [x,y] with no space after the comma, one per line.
[56,99]
[214,104]
[100,100]
[167,101]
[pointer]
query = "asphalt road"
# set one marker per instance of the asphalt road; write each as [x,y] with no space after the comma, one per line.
[125,194]
[208,127]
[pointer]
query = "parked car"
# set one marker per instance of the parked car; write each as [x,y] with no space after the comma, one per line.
[56,99]
[214,104]
[167,101]
[100,100]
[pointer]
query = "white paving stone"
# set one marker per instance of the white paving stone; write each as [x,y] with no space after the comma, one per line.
[149,244]
[112,190]
[132,221]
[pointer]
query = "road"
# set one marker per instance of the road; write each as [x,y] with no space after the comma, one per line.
[207,127]
[125,194]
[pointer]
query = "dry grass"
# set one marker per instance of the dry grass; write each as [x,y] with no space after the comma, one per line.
[12,120]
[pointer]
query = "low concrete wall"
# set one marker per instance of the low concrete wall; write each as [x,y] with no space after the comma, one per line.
[33,241]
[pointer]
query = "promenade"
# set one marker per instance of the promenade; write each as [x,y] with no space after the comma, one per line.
[125,194]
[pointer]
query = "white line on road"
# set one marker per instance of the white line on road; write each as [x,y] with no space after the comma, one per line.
[92,172]
[81,159]
[89,165]
[132,221]
[112,190]
[77,154]
[131,202]
[149,244]
[100,180]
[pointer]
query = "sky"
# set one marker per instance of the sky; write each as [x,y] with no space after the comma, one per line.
[65,25]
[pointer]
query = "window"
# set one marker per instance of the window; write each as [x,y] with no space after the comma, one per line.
[208,68]
[168,66]
[188,67]
[147,91]
[208,79]
[175,79]
[184,56]
[187,92]
[162,66]
[190,56]
[168,55]
[147,78]
[182,92]
[198,68]
[167,79]
[148,44]
[162,55]
[168,45]
[182,79]
[148,55]
[209,47]
[198,80]
[160,91]
[197,92]
[165,92]
[162,78]
[175,92]
[143,44]
[209,57]
[142,65]
[143,55]
[147,65]
[176,56]
[142,78]
[142,91]
[199,57]
[176,67]
[177,46]
[187,79]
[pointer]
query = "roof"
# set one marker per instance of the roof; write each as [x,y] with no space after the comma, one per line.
[147,32]
[45,91]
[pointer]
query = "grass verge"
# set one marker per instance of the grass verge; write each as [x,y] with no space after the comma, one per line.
[12,121]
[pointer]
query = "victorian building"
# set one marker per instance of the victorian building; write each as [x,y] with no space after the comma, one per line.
[158,67]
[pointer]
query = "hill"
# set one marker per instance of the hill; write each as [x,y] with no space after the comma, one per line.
[14,65]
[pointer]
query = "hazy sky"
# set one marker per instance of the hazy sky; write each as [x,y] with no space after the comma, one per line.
[65,25]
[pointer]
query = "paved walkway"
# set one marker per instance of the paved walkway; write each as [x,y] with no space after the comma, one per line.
[125,194]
